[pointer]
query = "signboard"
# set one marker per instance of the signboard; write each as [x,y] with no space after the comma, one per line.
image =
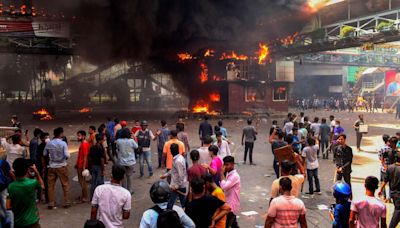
[392,83]
[34,29]
[284,153]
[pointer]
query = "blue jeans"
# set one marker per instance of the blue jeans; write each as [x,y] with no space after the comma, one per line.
[145,156]
[175,195]
[312,175]
[97,179]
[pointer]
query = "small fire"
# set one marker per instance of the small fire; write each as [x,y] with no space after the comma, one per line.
[43,114]
[215,97]
[263,54]
[289,40]
[217,78]
[201,107]
[85,110]
[233,55]
[184,56]
[315,5]
[209,53]
[203,73]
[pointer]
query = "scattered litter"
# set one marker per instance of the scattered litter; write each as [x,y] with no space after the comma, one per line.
[242,193]
[263,194]
[267,175]
[259,226]
[75,178]
[305,197]
[251,200]
[322,207]
[249,213]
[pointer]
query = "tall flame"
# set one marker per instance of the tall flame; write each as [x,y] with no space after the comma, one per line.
[233,55]
[203,73]
[263,54]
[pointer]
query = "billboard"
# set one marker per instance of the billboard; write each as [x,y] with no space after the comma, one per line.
[34,29]
[392,83]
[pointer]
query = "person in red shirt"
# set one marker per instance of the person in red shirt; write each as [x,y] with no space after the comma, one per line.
[197,170]
[82,164]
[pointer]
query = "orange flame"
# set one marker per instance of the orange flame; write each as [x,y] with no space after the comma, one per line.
[85,110]
[184,56]
[44,114]
[263,54]
[217,78]
[314,6]
[203,73]
[233,55]
[201,107]
[209,53]
[215,97]
[289,40]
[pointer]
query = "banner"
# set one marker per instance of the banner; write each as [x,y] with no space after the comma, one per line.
[34,29]
[392,83]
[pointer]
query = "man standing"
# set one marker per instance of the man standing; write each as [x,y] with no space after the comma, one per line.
[359,134]
[58,153]
[167,154]
[222,145]
[286,210]
[343,155]
[222,129]
[92,135]
[126,156]
[14,150]
[15,122]
[332,125]
[144,137]
[196,170]
[297,180]
[162,134]
[287,128]
[276,140]
[249,137]
[231,187]
[324,138]
[202,209]
[96,164]
[205,129]
[178,176]
[183,137]
[384,156]
[82,164]
[34,144]
[22,193]
[315,127]
[392,177]
[368,211]
[338,130]
[310,159]
[203,151]
[111,203]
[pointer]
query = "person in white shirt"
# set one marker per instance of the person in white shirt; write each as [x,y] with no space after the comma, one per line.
[288,126]
[14,150]
[315,127]
[111,203]
[222,145]
[310,159]
[203,151]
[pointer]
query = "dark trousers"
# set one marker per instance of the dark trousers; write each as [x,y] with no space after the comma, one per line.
[359,137]
[248,147]
[397,113]
[160,154]
[231,220]
[313,174]
[175,195]
[395,218]
[324,144]
[97,179]
[346,176]
[276,168]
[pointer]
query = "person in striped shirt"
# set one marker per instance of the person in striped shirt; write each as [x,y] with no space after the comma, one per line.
[286,210]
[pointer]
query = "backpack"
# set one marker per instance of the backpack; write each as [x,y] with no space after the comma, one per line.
[143,139]
[5,180]
[167,218]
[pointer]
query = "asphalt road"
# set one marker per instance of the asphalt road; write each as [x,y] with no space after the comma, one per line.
[256,180]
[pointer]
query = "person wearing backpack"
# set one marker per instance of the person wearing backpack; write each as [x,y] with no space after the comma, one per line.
[159,215]
[57,150]
[144,137]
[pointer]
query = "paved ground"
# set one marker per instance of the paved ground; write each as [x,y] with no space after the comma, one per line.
[256,180]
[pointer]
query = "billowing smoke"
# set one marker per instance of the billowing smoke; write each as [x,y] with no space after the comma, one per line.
[154,31]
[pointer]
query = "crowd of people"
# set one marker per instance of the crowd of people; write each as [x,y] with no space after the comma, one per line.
[204,179]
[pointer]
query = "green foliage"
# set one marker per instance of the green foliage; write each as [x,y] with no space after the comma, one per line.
[347,31]
[384,26]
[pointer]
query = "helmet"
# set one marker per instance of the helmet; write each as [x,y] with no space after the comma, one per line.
[144,123]
[341,191]
[160,192]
